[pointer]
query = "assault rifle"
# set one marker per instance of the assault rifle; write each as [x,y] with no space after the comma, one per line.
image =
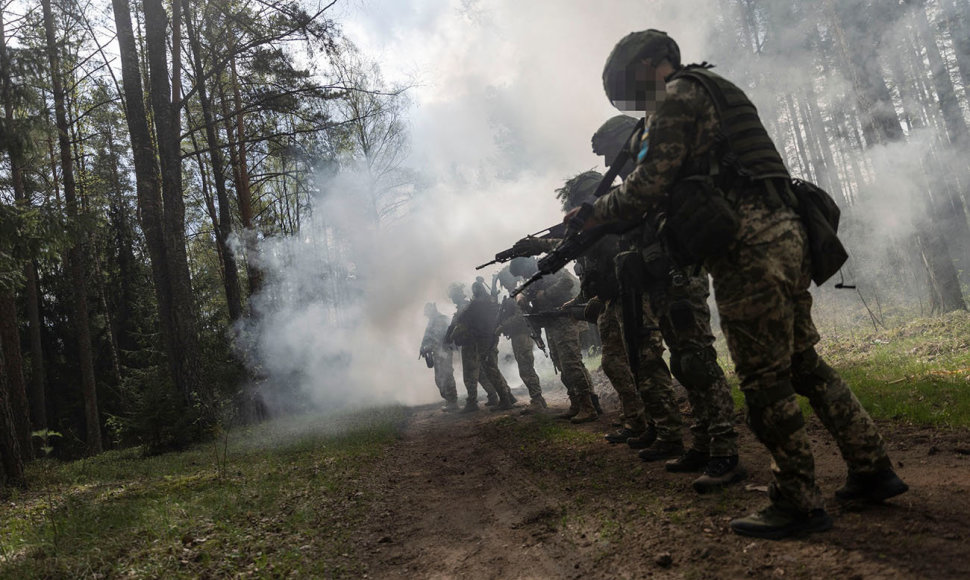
[552,232]
[574,311]
[576,241]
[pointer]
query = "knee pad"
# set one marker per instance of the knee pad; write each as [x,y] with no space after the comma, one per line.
[696,368]
[811,375]
[767,415]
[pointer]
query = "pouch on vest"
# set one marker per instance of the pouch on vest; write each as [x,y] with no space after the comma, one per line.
[701,223]
[820,215]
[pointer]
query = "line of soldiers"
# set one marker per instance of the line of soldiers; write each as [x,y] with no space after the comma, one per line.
[477,325]
[708,194]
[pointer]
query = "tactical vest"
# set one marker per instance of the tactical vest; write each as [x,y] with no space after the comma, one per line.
[744,144]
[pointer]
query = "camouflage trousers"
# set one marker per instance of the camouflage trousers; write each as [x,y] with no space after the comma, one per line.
[479,360]
[564,349]
[685,323]
[444,374]
[654,382]
[616,366]
[523,350]
[762,297]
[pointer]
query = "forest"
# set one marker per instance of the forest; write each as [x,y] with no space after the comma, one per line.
[156,153]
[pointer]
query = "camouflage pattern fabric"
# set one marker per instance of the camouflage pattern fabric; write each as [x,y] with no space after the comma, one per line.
[616,367]
[479,361]
[685,323]
[765,307]
[564,347]
[444,370]
[655,384]
[523,350]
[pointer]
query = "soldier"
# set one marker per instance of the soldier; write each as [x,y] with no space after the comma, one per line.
[474,331]
[439,355]
[456,291]
[515,327]
[551,293]
[652,420]
[679,295]
[708,161]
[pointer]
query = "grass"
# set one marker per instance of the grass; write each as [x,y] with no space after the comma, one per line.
[916,373]
[285,505]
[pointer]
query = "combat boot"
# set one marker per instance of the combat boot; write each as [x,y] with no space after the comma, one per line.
[470,407]
[719,472]
[645,439]
[450,406]
[662,450]
[572,411]
[492,400]
[773,523]
[537,403]
[585,415]
[872,487]
[506,402]
[691,462]
[622,435]
[596,403]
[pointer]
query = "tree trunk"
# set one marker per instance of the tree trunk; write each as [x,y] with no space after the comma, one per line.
[230,270]
[244,190]
[9,327]
[75,255]
[11,460]
[38,370]
[945,294]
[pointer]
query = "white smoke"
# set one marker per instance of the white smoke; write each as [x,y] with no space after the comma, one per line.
[507,94]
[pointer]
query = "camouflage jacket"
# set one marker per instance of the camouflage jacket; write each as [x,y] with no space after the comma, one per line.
[434,334]
[683,130]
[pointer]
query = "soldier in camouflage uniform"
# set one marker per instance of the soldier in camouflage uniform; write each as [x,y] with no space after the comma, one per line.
[515,327]
[433,346]
[652,420]
[679,297]
[706,129]
[456,291]
[548,294]
[474,331]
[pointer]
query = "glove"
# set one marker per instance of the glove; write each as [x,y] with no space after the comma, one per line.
[529,246]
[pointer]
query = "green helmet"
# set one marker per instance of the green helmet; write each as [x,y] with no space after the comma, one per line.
[578,189]
[506,278]
[523,266]
[628,84]
[612,136]
[479,290]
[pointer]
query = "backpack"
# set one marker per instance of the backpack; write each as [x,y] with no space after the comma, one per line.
[820,215]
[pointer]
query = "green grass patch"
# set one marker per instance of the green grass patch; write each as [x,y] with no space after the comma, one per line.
[282,500]
[918,373]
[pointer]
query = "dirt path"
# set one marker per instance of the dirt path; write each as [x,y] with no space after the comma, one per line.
[512,495]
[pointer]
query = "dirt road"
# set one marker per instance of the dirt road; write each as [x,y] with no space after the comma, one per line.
[513,495]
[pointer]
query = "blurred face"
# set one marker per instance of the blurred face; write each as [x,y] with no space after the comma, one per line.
[639,89]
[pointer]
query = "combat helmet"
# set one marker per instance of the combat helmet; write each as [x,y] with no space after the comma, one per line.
[523,266]
[578,189]
[612,136]
[628,84]
[456,291]
[479,290]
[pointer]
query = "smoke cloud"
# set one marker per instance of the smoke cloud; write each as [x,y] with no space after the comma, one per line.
[506,95]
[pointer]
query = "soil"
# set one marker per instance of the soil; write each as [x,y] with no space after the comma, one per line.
[515,494]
